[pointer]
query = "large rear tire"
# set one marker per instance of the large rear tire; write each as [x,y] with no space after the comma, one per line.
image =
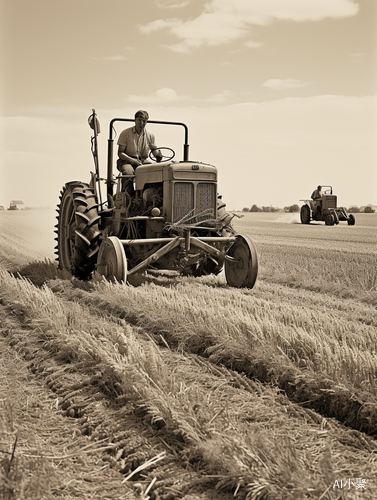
[305,214]
[77,230]
[243,270]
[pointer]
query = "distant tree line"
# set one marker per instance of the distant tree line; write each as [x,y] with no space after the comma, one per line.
[255,208]
[366,210]
[295,208]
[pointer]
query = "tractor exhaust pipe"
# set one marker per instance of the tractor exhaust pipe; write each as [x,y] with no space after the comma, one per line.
[94,124]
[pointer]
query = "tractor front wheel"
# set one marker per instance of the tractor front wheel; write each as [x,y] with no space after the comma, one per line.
[329,220]
[241,270]
[112,261]
[351,220]
[77,230]
[305,214]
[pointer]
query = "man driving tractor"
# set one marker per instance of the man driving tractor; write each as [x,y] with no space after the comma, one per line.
[134,146]
[317,198]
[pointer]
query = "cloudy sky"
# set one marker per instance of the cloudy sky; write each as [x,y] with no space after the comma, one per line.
[280,95]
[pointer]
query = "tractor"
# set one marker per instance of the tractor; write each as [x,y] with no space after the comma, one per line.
[325,210]
[175,220]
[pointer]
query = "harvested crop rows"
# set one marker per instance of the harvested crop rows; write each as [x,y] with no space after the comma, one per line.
[184,388]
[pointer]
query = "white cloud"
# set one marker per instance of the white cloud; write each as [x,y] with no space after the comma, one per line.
[164,94]
[223,21]
[110,58]
[183,47]
[158,24]
[169,95]
[223,96]
[253,45]
[115,58]
[172,4]
[288,83]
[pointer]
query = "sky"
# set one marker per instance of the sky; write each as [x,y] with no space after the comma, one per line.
[279,95]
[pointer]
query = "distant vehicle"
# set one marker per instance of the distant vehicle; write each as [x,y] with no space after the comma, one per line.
[325,210]
[16,205]
[1,207]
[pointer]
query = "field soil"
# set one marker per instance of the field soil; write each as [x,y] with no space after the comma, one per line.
[184,388]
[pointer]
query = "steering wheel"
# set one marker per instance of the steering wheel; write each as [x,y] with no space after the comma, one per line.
[164,157]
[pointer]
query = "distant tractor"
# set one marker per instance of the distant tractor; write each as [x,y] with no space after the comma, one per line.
[325,210]
[174,221]
[16,205]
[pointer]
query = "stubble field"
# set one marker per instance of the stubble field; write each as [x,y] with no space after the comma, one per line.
[183,387]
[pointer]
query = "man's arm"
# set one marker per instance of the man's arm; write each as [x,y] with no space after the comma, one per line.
[124,156]
[152,145]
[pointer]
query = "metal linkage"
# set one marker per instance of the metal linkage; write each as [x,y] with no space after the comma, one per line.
[172,243]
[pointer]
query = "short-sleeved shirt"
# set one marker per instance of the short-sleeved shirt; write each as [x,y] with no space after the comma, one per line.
[316,194]
[135,144]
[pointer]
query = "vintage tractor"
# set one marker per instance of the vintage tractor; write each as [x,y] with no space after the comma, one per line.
[175,221]
[325,210]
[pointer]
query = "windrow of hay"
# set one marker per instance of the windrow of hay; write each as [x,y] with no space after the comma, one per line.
[42,454]
[319,358]
[241,436]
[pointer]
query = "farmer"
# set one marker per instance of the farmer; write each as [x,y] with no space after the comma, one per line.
[317,199]
[134,145]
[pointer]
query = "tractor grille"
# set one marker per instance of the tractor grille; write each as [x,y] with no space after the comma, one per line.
[183,199]
[206,197]
[330,201]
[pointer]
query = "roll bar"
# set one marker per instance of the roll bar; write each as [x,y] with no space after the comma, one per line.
[110,152]
[323,186]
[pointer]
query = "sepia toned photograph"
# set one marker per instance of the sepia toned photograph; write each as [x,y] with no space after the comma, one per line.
[188,249]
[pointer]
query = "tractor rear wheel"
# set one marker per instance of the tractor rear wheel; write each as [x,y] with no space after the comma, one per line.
[305,214]
[77,230]
[242,270]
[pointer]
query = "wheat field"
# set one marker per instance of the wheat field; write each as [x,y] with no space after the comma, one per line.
[267,393]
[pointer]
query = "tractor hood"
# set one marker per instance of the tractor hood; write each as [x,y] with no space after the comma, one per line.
[172,170]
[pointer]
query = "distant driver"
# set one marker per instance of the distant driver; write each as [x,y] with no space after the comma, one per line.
[317,198]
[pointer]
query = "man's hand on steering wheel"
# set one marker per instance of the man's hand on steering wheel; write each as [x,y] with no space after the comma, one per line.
[162,157]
